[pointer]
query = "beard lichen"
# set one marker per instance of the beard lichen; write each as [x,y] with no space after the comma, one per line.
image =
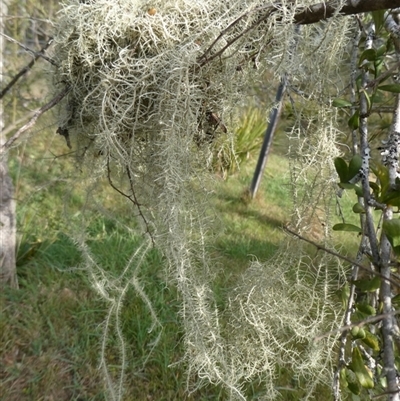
[150,86]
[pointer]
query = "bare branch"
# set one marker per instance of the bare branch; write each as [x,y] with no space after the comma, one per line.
[361,323]
[132,197]
[339,256]
[27,49]
[33,120]
[25,69]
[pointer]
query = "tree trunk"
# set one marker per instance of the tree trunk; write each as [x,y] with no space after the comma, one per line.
[8,274]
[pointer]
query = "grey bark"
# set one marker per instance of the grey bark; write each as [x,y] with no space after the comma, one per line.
[8,272]
[390,159]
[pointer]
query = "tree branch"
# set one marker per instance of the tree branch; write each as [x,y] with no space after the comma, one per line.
[25,69]
[322,11]
[33,120]
[339,256]
[361,323]
[28,50]
[309,15]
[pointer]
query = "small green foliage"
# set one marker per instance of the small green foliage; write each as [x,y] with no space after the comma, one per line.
[371,341]
[343,377]
[354,166]
[346,227]
[357,332]
[352,382]
[363,374]
[379,19]
[368,54]
[366,308]
[358,208]
[354,121]
[382,173]
[394,88]
[347,172]
[392,230]
[396,301]
[367,98]
[343,295]
[341,169]
[341,103]
[368,285]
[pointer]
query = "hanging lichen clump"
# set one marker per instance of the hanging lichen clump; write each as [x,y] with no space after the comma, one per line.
[151,84]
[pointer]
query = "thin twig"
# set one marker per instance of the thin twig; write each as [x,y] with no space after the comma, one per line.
[138,206]
[33,120]
[27,49]
[11,127]
[339,256]
[25,69]
[361,323]
[203,59]
[131,198]
[302,16]
[374,397]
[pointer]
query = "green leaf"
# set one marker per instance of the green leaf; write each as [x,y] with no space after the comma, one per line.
[342,378]
[341,169]
[369,54]
[392,230]
[379,19]
[346,185]
[371,340]
[382,174]
[396,304]
[354,121]
[367,98]
[354,166]
[343,294]
[366,308]
[358,208]
[375,188]
[358,333]
[391,197]
[346,227]
[368,285]
[394,88]
[357,316]
[359,191]
[358,367]
[354,388]
[380,51]
[341,103]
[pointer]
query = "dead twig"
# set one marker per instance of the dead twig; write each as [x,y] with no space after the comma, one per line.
[339,256]
[132,198]
[25,69]
[28,50]
[33,120]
